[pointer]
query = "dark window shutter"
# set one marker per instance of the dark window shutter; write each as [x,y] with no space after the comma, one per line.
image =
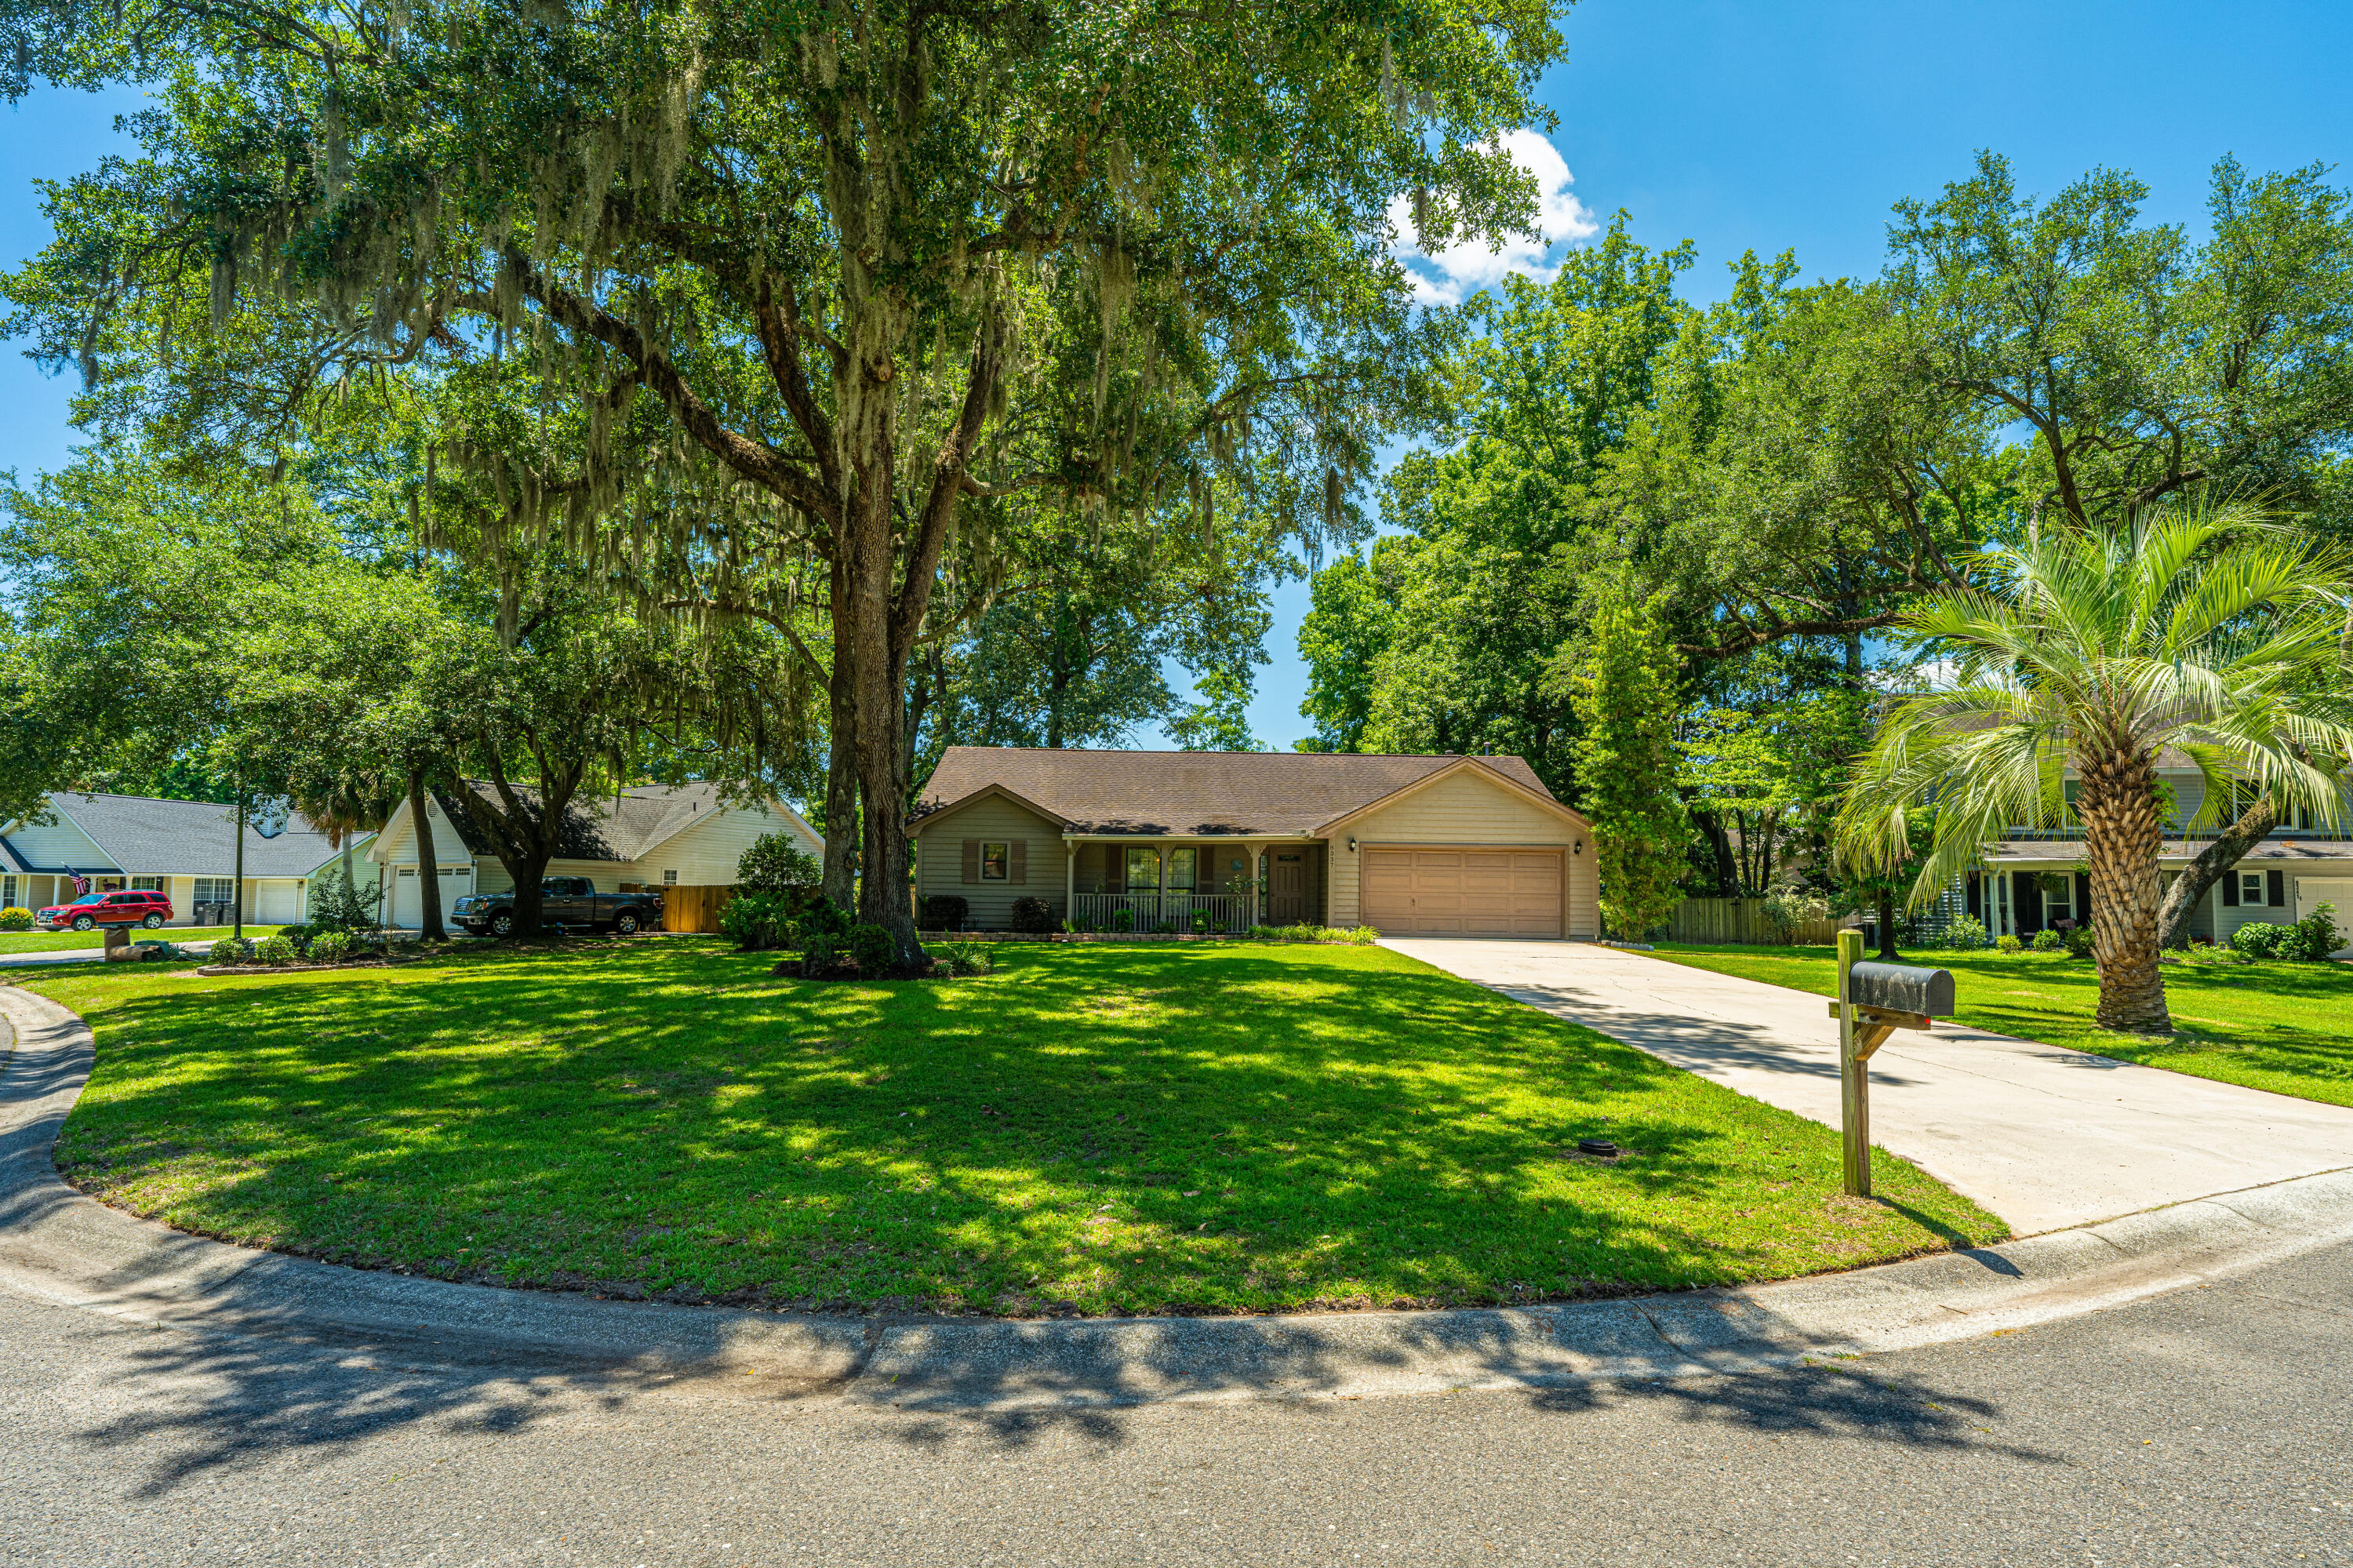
[972,860]
[2082,911]
[2275,889]
[2229,890]
[1977,897]
[1019,871]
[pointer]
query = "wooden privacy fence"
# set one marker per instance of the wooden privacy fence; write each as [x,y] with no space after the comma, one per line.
[693,908]
[1741,922]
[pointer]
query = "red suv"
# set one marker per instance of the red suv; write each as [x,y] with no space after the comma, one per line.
[148,909]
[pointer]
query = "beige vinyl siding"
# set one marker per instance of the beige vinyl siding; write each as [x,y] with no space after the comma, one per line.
[939,864]
[59,843]
[1464,810]
[705,853]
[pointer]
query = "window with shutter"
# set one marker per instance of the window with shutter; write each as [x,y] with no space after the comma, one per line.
[971,860]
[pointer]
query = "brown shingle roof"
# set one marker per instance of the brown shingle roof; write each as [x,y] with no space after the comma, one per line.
[1191,791]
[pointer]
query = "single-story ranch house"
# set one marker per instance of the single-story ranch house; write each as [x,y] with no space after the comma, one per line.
[1444,846]
[650,838]
[186,850]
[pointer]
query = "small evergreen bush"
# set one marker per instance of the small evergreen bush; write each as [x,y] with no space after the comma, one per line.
[276,950]
[777,865]
[872,948]
[1033,916]
[945,912]
[333,908]
[2311,939]
[232,950]
[2079,940]
[2049,941]
[2258,938]
[331,947]
[1962,933]
[2007,943]
[756,921]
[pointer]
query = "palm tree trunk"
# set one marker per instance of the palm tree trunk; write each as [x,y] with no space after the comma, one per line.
[2123,834]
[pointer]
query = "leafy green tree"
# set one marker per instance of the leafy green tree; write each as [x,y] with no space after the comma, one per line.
[1220,719]
[1625,693]
[878,265]
[1346,631]
[2140,363]
[2196,628]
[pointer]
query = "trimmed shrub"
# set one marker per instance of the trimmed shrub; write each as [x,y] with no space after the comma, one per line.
[331,947]
[2258,938]
[820,955]
[298,935]
[276,950]
[1165,928]
[1122,920]
[2007,943]
[2079,940]
[756,921]
[15,918]
[1033,916]
[2049,941]
[872,948]
[775,865]
[945,912]
[232,950]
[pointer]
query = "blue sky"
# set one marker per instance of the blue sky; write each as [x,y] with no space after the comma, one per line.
[1738,125]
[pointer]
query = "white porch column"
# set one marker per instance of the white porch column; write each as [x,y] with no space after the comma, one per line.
[1070,880]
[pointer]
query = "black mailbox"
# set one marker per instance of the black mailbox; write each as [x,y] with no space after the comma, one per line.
[1902,987]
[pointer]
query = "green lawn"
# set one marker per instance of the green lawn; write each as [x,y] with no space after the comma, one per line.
[1097,1127]
[2284,1027]
[58,941]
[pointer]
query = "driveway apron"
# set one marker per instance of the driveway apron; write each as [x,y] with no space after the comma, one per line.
[2045,1138]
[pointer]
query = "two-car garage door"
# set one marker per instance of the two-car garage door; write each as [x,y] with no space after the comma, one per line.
[1463,893]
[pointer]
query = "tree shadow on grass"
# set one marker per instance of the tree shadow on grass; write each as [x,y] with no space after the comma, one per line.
[1145,1129]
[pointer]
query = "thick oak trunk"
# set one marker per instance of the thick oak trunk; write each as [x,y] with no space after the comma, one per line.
[428,866]
[2124,832]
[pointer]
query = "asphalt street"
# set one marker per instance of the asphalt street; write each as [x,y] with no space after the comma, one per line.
[2211,1425]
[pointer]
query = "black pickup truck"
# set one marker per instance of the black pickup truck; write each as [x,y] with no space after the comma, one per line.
[568,901]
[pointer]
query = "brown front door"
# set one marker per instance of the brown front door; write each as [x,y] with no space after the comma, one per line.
[1286,890]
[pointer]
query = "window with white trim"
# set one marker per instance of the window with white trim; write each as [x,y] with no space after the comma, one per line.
[670,877]
[215,889]
[148,884]
[2251,888]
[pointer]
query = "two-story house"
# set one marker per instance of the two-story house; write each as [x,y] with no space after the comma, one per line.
[2034,879]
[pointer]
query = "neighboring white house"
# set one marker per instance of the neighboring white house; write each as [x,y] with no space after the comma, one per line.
[649,837]
[187,850]
[2032,880]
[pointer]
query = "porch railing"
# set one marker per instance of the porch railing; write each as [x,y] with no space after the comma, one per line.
[1190,914]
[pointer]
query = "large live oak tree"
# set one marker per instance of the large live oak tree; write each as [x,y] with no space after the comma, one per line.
[876,261]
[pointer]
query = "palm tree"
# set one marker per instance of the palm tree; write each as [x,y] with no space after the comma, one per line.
[2201,629]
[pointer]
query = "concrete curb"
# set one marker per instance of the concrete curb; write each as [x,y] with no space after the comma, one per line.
[58,1245]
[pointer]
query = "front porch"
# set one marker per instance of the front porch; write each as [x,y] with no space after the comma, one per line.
[1130,881]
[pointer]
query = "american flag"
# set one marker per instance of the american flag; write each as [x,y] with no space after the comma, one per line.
[82,883]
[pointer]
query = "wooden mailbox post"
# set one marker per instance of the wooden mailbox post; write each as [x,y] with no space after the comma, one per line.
[1873,1002]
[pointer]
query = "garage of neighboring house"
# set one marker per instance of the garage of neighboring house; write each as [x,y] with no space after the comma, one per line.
[1463,892]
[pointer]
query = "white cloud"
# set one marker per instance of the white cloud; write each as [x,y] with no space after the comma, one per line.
[1454,273]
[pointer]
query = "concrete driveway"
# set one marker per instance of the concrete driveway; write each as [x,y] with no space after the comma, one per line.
[2045,1137]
